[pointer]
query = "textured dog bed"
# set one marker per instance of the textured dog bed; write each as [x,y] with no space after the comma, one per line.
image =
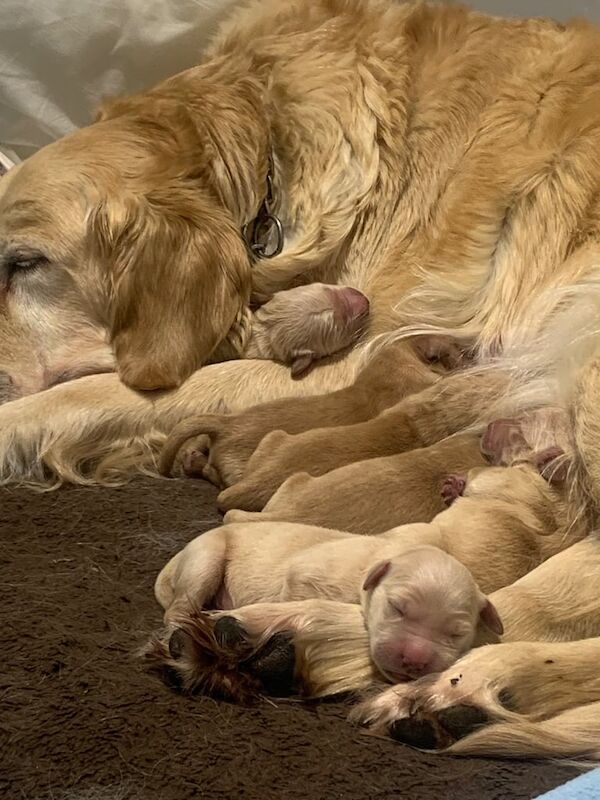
[80,721]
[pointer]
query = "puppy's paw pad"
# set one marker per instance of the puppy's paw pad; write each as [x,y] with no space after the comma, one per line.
[452,488]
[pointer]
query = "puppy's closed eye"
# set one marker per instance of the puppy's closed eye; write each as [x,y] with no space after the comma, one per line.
[398,607]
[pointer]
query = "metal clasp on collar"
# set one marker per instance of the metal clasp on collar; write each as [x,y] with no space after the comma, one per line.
[259,232]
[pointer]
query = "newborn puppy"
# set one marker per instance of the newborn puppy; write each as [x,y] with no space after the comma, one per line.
[392,373]
[501,521]
[422,607]
[301,325]
[453,404]
[367,496]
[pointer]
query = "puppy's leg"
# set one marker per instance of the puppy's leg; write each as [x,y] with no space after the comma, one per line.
[255,498]
[503,441]
[389,375]
[418,421]
[237,515]
[193,577]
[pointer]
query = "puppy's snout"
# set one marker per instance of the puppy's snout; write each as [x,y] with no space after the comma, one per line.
[416,656]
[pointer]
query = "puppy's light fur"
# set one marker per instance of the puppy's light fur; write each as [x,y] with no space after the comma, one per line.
[307,323]
[448,406]
[391,373]
[422,607]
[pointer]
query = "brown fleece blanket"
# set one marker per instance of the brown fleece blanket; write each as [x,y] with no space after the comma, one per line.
[79,720]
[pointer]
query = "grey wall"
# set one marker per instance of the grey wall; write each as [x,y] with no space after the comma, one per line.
[561,9]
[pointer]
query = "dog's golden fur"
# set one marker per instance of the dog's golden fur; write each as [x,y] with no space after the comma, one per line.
[447,166]
[444,162]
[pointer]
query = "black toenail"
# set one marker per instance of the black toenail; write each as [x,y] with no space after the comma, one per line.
[414,732]
[275,665]
[229,632]
[462,719]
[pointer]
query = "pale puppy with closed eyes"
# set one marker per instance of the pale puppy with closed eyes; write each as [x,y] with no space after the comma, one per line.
[302,325]
[422,607]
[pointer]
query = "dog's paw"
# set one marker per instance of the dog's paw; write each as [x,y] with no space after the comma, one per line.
[437,710]
[382,710]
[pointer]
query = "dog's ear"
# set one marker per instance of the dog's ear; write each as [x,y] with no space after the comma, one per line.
[490,617]
[375,574]
[178,273]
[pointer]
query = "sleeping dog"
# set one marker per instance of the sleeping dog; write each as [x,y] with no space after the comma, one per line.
[422,607]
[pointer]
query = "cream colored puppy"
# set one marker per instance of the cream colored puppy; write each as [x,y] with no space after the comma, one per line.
[307,323]
[422,607]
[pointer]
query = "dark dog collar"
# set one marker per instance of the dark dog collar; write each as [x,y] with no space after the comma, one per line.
[264,234]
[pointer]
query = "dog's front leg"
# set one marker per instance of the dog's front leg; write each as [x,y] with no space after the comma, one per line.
[329,640]
[509,684]
[310,648]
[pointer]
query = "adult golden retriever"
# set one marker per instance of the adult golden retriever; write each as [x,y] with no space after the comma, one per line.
[430,156]
[444,162]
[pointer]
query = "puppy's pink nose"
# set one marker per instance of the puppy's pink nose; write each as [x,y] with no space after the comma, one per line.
[416,655]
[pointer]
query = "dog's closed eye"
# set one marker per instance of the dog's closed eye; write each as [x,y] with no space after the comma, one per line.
[23,261]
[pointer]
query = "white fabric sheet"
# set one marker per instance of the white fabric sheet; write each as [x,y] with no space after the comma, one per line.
[58,58]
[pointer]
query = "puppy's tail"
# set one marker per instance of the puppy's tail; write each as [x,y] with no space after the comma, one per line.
[209,424]
[574,734]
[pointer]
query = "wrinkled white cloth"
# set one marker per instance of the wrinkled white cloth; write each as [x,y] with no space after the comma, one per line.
[59,58]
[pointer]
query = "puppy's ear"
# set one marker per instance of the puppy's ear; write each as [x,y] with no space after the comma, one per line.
[301,362]
[178,272]
[490,617]
[375,575]
[552,464]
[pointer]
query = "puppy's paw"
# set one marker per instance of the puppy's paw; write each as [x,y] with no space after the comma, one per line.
[452,488]
[193,462]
